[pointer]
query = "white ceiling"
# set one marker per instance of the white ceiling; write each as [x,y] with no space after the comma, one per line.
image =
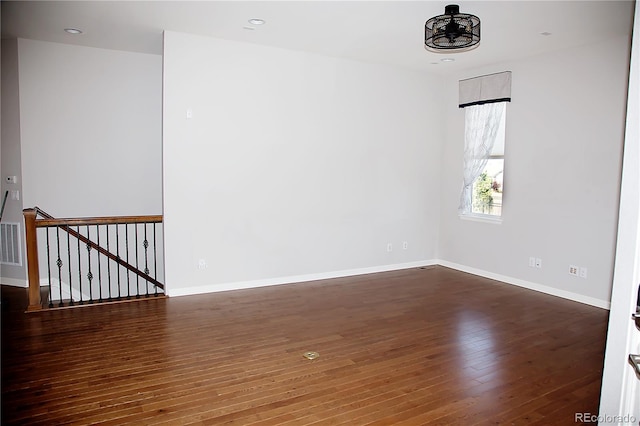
[388,32]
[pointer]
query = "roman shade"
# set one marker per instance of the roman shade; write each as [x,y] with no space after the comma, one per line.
[485,89]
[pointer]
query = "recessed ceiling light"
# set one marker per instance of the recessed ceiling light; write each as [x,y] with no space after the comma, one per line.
[256,21]
[73,31]
[447,60]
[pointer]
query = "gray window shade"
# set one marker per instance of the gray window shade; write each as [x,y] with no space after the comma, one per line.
[485,89]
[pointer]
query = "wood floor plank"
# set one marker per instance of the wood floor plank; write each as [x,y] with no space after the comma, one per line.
[418,346]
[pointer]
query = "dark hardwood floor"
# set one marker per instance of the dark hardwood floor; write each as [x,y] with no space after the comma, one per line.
[421,346]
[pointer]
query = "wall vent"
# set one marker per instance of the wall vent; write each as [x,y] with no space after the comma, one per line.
[10,247]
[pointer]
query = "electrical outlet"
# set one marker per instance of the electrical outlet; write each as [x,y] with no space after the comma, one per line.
[405,245]
[202,264]
[583,272]
[538,262]
[574,270]
[532,262]
[389,247]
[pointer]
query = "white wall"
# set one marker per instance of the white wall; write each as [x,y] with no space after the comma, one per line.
[91,130]
[11,163]
[293,164]
[562,172]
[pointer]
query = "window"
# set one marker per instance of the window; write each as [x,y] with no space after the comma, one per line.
[484,100]
[484,160]
[486,197]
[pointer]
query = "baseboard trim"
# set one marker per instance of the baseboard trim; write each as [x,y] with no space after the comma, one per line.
[528,284]
[14,282]
[241,285]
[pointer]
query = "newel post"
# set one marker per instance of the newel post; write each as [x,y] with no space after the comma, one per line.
[32,259]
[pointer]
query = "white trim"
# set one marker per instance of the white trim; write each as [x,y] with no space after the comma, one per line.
[213,288]
[486,218]
[528,284]
[14,282]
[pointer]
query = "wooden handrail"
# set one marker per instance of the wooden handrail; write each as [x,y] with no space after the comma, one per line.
[41,223]
[31,223]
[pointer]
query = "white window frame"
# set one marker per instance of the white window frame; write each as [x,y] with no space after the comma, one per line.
[481,150]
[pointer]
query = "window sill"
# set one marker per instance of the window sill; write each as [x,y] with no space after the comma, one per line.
[495,220]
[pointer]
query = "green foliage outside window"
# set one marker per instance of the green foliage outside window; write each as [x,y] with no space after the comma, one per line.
[482,190]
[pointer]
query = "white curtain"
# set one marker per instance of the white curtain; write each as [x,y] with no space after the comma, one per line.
[481,127]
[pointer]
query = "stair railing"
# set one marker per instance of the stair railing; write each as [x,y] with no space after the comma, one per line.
[104,272]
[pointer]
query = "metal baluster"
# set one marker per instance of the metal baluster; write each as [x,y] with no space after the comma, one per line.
[146,258]
[99,262]
[126,246]
[69,262]
[89,274]
[118,255]
[79,267]
[59,264]
[108,263]
[155,260]
[137,275]
[49,269]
